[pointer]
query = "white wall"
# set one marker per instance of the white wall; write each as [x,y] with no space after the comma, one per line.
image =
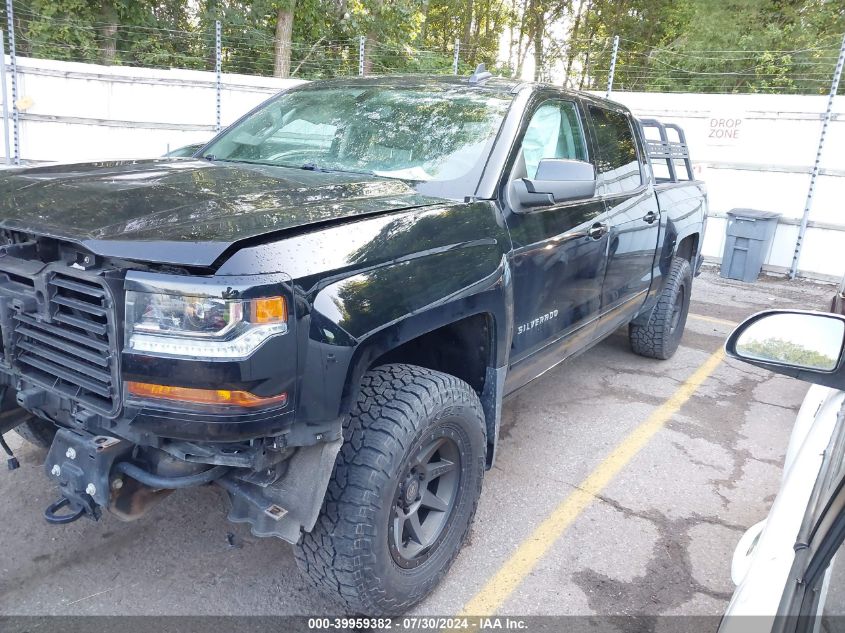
[77,112]
[764,163]
[80,112]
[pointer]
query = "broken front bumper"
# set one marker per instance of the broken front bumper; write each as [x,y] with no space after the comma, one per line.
[62,355]
[96,471]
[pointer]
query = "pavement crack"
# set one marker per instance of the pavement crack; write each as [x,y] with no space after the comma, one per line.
[779,406]
[778,463]
[670,561]
[691,458]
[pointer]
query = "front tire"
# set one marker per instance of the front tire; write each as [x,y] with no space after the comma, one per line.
[403,493]
[661,335]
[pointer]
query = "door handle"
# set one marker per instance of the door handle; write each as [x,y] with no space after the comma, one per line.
[597,231]
[650,217]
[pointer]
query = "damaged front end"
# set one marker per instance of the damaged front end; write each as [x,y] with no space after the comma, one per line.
[159,380]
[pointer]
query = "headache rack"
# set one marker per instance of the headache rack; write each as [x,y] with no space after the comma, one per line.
[669,154]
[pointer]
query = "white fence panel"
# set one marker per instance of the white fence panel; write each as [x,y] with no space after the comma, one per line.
[757,151]
[79,112]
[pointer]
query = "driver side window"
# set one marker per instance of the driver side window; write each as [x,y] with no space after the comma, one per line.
[554,131]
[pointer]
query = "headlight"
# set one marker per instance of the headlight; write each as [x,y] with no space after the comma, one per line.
[201,327]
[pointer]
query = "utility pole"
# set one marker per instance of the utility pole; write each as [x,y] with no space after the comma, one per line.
[808,205]
[5,97]
[218,68]
[13,58]
[612,65]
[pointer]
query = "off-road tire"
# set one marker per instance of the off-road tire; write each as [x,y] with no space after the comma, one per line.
[350,553]
[36,431]
[661,335]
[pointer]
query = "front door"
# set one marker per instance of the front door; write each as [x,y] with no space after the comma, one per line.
[558,267]
[633,215]
[812,598]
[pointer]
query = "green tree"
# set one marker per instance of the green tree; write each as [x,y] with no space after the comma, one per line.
[788,352]
[675,45]
[705,46]
[111,32]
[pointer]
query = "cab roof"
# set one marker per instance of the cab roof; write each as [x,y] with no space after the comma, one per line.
[501,85]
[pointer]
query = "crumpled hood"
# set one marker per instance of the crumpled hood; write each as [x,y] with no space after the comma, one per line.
[185,211]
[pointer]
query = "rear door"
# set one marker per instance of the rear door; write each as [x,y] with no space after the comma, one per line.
[632,211]
[557,263]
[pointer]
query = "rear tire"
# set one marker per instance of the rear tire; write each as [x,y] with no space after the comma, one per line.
[661,335]
[403,493]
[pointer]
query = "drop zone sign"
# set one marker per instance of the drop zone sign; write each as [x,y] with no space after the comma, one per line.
[724,129]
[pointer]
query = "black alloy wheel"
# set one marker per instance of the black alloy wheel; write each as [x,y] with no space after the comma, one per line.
[425,500]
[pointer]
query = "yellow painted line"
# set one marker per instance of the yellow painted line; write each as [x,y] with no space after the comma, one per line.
[709,319]
[491,597]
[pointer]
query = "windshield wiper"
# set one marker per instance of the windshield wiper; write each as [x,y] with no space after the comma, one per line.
[306,166]
[333,170]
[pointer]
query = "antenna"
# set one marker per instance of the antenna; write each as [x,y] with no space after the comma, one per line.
[480,75]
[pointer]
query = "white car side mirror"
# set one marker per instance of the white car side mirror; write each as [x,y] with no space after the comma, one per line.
[802,344]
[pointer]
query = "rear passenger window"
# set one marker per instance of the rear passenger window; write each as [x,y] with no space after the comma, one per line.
[553,132]
[617,164]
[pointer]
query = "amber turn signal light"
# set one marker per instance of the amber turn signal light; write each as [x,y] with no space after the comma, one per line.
[202,396]
[269,310]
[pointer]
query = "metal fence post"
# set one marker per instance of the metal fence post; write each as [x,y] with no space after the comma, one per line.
[805,218]
[612,66]
[362,49]
[457,55]
[13,59]
[218,68]
[5,97]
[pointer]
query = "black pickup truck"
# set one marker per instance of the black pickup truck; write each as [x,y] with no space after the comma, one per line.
[322,311]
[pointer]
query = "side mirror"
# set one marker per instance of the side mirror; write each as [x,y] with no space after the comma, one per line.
[557,180]
[804,345]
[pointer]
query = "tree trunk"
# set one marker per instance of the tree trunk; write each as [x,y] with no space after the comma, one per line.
[520,51]
[424,28]
[284,37]
[572,50]
[467,36]
[108,33]
[475,38]
[539,31]
[512,43]
[585,70]
[211,16]
[371,45]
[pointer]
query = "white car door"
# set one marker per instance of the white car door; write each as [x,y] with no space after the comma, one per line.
[786,570]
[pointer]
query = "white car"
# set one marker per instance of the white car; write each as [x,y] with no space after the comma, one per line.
[784,568]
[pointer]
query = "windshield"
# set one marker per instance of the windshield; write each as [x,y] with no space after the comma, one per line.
[428,134]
